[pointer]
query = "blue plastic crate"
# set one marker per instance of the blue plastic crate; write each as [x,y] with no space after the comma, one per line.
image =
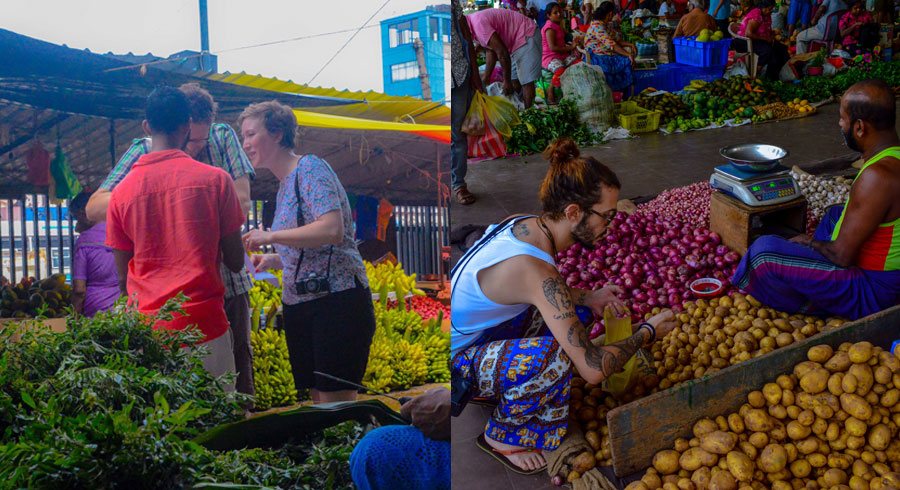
[662,78]
[689,51]
[684,74]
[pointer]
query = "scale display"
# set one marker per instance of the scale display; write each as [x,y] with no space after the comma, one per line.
[765,189]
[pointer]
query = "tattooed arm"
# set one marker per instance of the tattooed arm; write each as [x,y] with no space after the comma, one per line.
[594,363]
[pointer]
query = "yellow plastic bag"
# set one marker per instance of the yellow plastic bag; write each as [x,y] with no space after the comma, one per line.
[473,124]
[618,329]
[502,114]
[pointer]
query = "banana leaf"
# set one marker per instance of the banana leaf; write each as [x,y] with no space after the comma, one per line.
[276,429]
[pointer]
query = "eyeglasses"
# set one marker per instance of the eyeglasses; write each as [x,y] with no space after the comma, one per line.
[608,216]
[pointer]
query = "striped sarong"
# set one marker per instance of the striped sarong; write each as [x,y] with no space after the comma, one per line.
[795,278]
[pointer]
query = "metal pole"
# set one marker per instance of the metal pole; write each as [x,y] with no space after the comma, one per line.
[71,230]
[37,237]
[12,240]
[112,142]
[49,245]
[24,239]
[204,37]
[59,239]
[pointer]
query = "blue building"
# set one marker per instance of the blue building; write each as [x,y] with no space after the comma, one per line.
[400,64]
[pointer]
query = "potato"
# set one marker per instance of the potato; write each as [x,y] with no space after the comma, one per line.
[756,399]
[759,440]
[858,483]
[785,382]
[889,361]
[637,485]
[820,353]
[666,462]
[778,411]
[773,458]
[860,352]
[864,377]
[793,411]
[855,427]
[685,484]
[840,361]
[652,481]
[834,384]
[704,426]
[800,468]
[882,375]
[722,480]
[879,437]
[740,466]
[808,445]
[696,457]
[834,476]
[722,422]
[748,449]
[849,383]
[593,439]
[806,417]
[817,460]
[701,478]
[758,420]
[736,423]
[682,445]
[856,406]
[804,367]
[772,393]
[574,475]
[584,462]
[797,431]
[814,381]
[781,485]
[718,442]
[840,461]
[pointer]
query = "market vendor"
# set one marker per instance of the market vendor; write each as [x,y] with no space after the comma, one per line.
[695,21]
[667,9]
[851,25]
[757,25]
[513,39]
[515,335]
[557,54]
[820,24]
[851,268]
[608,52]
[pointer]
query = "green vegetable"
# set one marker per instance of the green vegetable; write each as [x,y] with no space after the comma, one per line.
[541,127]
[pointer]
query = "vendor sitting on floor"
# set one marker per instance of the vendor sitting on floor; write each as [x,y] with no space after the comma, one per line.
[557,54]
[609,53]
[852,266]
[515,335]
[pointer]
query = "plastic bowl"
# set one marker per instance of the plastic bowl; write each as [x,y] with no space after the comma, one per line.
[706,287]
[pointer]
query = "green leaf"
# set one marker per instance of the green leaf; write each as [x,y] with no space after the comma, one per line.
[28,400]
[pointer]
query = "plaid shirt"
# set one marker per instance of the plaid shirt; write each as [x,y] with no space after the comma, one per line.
[223,151]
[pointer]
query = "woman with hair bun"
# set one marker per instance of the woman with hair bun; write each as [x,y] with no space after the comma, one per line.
[515,335]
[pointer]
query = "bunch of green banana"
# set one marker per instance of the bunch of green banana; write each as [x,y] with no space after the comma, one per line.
[272,375]
[392,277]
[399,321]
[437,351]
[410,365]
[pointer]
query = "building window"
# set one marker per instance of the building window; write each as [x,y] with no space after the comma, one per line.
[404,71]
[446,31]
[434,30]
[403,33]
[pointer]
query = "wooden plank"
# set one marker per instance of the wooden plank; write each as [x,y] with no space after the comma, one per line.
[641,428]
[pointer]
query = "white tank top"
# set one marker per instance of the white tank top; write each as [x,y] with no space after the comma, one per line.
[473,312]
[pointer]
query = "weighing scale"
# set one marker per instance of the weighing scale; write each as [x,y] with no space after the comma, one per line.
[756,188]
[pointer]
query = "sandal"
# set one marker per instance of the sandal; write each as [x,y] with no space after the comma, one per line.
[463,196]
[501,456]
[484,402]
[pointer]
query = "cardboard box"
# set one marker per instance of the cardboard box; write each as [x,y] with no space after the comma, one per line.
[55,324]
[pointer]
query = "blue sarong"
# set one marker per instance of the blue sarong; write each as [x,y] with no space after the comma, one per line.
[617,69]
[520,364]
[795,278]
[400,457]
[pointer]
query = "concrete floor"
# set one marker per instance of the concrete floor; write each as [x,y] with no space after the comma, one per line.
[646,166]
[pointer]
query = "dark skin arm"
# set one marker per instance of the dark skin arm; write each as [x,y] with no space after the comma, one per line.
[497,50]
[232,251]
[79,288]
[873,200]
[122,258]
[752,34]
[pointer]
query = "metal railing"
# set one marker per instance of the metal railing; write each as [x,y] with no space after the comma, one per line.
[421,233]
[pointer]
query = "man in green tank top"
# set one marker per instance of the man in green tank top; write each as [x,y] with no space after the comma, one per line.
[852,265]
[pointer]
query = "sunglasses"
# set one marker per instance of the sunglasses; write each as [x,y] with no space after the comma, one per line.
[608,216]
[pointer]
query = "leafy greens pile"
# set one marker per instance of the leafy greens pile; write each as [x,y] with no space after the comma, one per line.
[541,127]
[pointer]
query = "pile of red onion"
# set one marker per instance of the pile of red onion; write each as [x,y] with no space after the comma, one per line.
[688,204]
[654,259]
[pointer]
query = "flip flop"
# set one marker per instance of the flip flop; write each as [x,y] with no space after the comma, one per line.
[501,456]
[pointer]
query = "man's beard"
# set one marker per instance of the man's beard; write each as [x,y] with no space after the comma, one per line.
[583,235]
[850,141]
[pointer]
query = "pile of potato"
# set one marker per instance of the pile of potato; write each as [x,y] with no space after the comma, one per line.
[830,424]
[588,407]
[725,331]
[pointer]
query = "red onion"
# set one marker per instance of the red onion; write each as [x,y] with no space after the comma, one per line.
[689,204]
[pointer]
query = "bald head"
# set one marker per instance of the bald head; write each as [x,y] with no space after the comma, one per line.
[871,101]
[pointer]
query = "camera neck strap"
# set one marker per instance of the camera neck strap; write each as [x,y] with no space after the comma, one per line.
[302,222]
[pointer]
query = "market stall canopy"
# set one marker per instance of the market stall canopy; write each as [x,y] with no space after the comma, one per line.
[61,95]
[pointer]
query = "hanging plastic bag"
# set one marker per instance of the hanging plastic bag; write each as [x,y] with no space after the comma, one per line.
[66,184]
[488,145]
[618,329]
[473,124]
[502,114]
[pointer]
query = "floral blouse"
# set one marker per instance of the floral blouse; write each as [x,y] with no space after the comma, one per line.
[848,20]
[598,41]
[764,29]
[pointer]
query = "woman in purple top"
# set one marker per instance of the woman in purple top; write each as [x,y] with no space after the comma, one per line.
[95,285]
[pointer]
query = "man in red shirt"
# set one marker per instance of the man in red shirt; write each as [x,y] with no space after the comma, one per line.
[171,222]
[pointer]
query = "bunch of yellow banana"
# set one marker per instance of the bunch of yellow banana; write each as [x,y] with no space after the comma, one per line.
[379,371]
[264,293]
[272,375]
[437,352]
[393,278]
[410,365]
[399,321]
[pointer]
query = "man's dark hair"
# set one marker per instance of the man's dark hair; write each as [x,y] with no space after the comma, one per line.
[873,102]
[203,108]
[80,202]
[168,109]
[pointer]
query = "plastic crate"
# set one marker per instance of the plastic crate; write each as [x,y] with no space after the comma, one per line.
[662,78]
[637,119]
[689,51]
[684,74]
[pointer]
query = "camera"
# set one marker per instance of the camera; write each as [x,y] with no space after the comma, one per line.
[312,285]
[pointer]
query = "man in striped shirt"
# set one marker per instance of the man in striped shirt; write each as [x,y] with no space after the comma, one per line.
[214,144]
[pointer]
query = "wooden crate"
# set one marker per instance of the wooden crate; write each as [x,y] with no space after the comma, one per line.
[739,225]
[641,428]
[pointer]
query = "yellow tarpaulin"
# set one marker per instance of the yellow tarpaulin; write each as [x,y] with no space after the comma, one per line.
[314,119]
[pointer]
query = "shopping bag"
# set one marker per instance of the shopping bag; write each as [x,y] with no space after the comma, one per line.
[502,114]
[473,124]
[66,184]
[488,145]
[618,329]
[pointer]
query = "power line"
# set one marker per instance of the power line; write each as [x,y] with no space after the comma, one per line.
[271,43]
[348,41]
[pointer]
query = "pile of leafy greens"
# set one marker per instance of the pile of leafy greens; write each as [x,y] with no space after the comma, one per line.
[540,127]
[820,87]
[114,403]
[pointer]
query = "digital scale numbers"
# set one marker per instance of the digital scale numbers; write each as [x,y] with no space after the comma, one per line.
[773,189]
